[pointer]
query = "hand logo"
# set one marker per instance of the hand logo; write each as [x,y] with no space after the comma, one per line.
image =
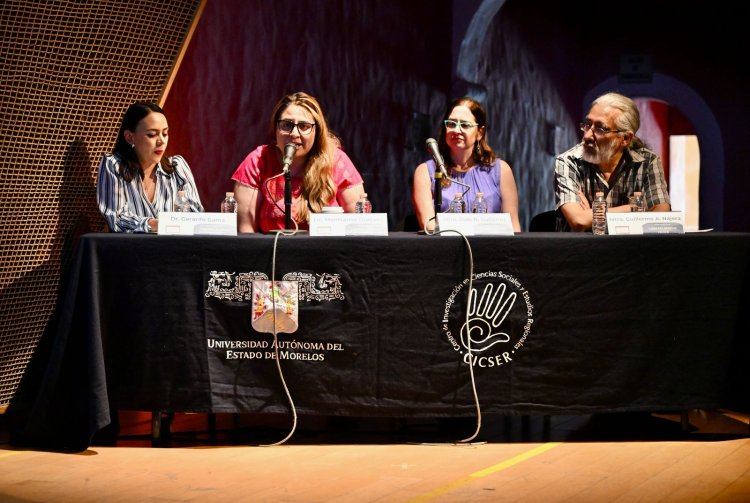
[481,331]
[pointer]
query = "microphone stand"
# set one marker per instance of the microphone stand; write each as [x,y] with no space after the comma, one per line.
[467,188]
[438,193]
[287,199]
[439,190]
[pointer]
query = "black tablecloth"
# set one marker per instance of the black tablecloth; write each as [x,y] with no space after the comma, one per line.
[561,324]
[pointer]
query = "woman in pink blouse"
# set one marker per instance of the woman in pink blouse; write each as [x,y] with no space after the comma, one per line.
[321,173]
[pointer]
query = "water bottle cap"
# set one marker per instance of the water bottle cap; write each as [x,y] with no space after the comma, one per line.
[600,194]
[180,192]
[480,194]
[230,194]
[637,193]
[456,195]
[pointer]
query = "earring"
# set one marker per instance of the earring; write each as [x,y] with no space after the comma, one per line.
[132,145]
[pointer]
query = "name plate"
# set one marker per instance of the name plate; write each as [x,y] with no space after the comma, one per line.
[348,224]
[197,224]
[476,224]
[646,222]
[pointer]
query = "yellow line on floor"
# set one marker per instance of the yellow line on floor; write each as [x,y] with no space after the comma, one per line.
[483,473]
[9,453]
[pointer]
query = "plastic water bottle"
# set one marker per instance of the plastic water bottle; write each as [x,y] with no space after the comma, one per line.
[637,202]
[458,205]
[599,210]
[229,204]
[363,205]
[480,204]
[181,202]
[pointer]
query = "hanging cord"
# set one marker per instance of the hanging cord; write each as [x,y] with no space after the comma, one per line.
[275,333]
[467,325]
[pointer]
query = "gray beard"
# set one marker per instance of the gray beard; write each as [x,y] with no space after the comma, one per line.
[602,155]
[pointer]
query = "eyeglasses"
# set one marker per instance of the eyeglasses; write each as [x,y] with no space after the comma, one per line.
[463,125]
[598,129]
[304,128]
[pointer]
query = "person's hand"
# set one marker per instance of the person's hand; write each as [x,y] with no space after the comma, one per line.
[153,224]
[583,201]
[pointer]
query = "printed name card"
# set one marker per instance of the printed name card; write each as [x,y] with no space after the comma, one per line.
[197,224]
[476,224]
[646,222]
[348,224]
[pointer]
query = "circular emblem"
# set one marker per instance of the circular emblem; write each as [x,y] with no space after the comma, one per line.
[488,319]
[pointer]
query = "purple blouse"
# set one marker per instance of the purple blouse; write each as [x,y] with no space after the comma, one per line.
[481,178]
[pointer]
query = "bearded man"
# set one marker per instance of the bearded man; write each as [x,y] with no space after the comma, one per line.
[610,159]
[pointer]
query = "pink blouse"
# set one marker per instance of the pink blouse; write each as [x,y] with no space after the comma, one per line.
[263,163]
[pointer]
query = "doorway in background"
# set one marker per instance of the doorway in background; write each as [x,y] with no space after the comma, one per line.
[670,134]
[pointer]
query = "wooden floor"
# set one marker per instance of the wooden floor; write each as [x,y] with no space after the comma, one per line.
[602,458]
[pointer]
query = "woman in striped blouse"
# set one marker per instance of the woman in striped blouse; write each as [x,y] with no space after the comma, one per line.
[136,181]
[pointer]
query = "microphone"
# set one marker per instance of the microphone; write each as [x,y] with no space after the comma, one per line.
[432,148]
[289,150]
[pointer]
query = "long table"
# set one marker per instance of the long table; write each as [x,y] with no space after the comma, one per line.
[550,323]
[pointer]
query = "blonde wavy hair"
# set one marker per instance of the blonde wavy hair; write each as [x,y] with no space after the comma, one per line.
[318,188]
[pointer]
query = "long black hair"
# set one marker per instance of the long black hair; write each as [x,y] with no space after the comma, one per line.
[130,166]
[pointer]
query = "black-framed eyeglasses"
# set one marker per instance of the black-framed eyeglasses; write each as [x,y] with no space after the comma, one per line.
[286,127]
[450,125]
[598,128]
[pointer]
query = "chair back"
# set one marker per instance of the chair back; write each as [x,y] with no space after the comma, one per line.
[543,222]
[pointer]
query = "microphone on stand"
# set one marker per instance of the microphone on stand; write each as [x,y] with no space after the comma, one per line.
[289,150]
[432,148]
[440,172]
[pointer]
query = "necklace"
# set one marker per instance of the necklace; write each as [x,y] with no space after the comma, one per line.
[462,169]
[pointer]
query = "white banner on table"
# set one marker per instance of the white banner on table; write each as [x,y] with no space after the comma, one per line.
[476,224]
[197,224]
[646,222]
[349,224]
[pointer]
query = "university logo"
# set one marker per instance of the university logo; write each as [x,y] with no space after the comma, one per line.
[238,286]
[490,323]
[254,287]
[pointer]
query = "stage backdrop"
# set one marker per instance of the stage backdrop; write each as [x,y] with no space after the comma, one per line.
[68,71]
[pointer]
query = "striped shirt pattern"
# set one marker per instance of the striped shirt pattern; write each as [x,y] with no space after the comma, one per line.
[641,170]
[125,205]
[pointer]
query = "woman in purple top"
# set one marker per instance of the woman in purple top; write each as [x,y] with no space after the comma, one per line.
[469,160]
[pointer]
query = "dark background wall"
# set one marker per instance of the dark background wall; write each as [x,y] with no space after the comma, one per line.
[384,71]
